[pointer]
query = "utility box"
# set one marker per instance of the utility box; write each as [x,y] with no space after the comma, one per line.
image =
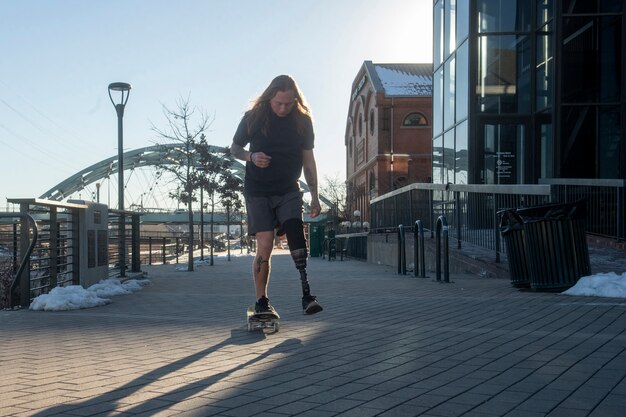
[316,240]
[93,232]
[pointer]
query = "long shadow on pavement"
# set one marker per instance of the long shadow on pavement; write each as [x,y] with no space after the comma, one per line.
[107,403]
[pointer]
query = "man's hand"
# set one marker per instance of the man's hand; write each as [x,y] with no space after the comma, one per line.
[260,159]
[315,208]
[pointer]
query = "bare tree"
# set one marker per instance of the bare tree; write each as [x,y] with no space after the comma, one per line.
[216,178]
[230,196]
[334,189]
[187,128]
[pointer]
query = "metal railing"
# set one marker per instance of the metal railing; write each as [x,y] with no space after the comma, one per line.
[605,203]
[159,250]
[473,209]
[352,245]
[131,242]
[13,248]
[329,248]
[65,246]
[53,259]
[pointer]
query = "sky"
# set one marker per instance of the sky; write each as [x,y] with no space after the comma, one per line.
[59,56]
[74,297]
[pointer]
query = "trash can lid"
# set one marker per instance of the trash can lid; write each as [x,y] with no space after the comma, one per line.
[557,211]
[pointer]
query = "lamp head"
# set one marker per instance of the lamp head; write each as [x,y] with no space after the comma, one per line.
[124,89]
[120,87]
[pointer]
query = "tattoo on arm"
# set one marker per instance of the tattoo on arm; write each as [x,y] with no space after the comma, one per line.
[237,151]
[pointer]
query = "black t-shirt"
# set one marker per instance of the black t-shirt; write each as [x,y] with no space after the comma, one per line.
[285,145]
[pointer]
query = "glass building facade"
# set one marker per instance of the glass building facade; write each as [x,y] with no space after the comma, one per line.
[528,89]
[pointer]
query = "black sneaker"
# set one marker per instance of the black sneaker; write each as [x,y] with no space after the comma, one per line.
[310,305]
[263,306]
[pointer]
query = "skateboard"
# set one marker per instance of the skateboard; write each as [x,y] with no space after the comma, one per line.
[262,321]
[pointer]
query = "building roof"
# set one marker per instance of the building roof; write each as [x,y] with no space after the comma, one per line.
[405,80]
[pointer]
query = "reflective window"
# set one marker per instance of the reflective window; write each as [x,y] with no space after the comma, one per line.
[462,20]
[610,62]
[449,27]
[503,15]
[547,158]
[544,69]
[579,78]
[592,67]
[545,12]
[579,156]
[415,119]
[438,34]
[449,160]
[462,82]
[372,121]
[438,160]
[461,155]
[609,136]
[611,6]
[503,153]
[592,6]
[577,6]
[503,74]
[437,102]
[448,93]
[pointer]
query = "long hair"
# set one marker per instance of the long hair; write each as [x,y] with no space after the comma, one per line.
[259,115]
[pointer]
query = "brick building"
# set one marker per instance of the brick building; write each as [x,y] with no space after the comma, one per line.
[388,135]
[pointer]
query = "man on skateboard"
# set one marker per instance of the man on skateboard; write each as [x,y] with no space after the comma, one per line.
[279,131]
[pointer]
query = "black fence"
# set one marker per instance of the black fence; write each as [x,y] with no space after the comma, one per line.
[45,248]
[472,210]
[605,203]
[18,238]
[347,245]
[76,236]
[64,242]
[130,242]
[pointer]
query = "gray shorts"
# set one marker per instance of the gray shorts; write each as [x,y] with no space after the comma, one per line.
[266,213]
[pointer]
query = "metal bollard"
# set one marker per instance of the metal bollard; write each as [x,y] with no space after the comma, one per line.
[418,246]
[401,251]
[442,226]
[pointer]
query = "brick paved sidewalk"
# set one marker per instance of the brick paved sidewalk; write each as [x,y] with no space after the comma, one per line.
[385,345]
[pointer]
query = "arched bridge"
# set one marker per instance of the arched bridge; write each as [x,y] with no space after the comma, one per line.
[146,186]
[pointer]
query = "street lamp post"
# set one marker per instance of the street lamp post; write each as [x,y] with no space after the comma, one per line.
[357,220]
[124,90]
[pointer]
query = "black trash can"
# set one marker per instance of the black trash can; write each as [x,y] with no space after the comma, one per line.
[512,230]
[556,244]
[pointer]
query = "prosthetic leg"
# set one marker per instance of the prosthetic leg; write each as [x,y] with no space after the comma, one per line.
[297,247]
